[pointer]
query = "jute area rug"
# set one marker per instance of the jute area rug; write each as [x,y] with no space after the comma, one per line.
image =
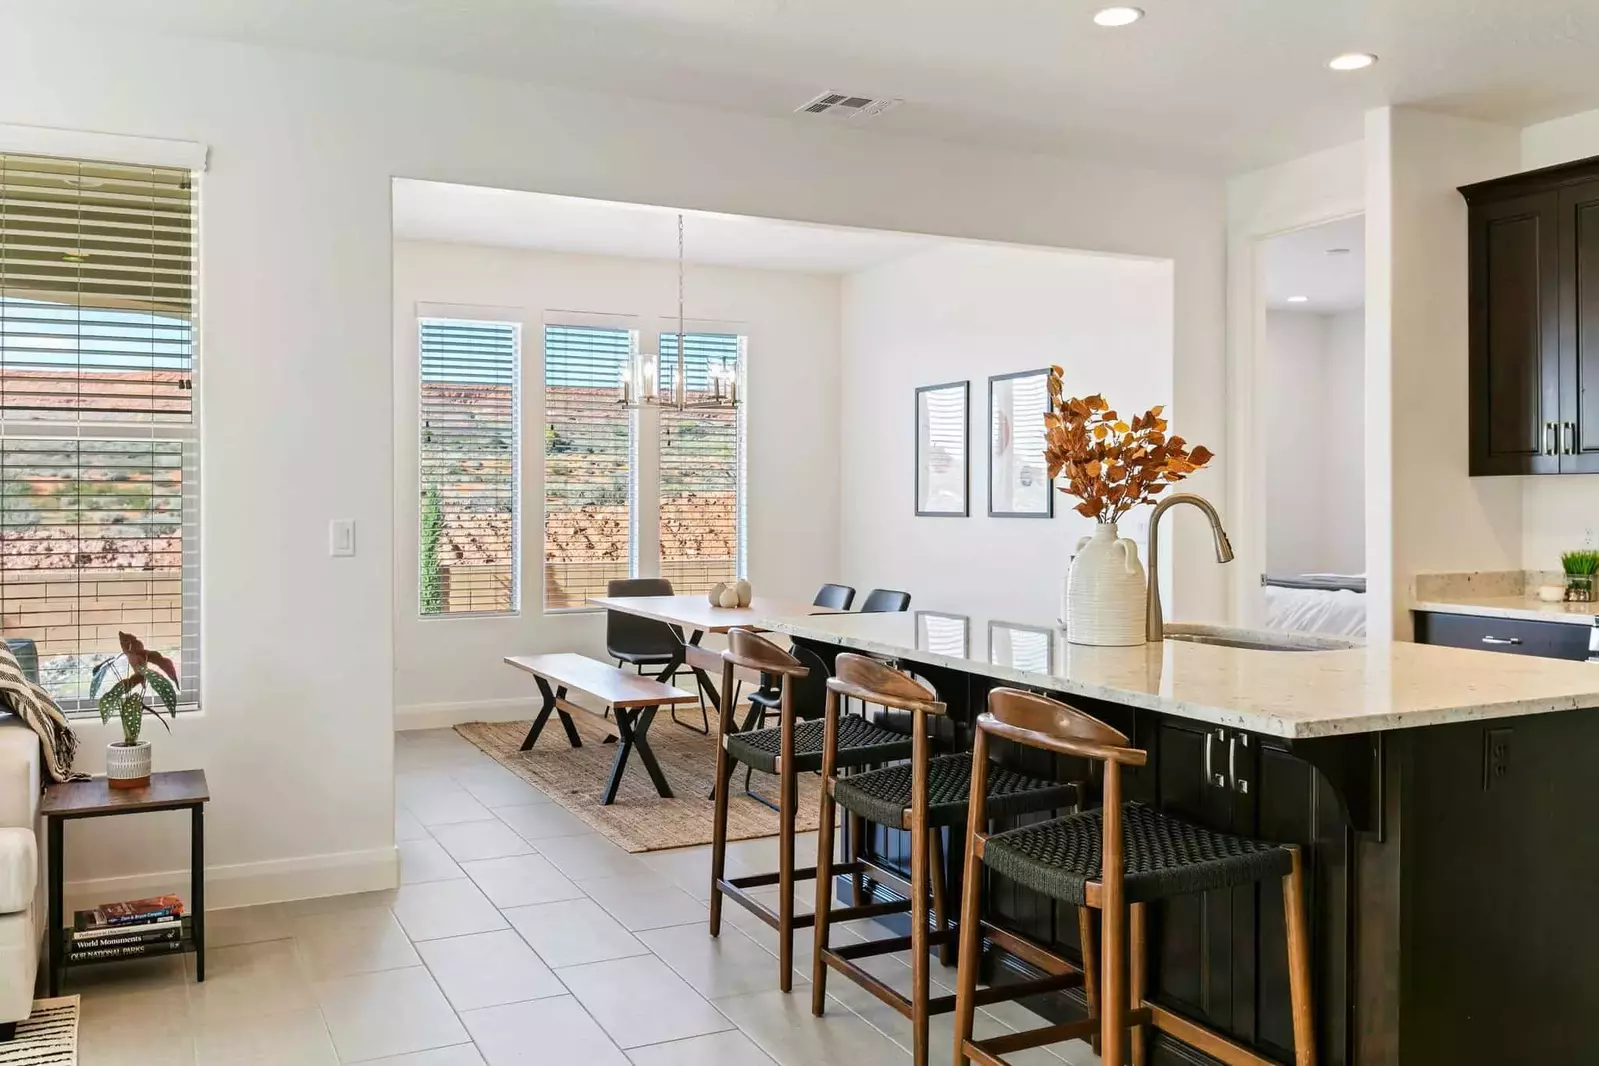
[639,820]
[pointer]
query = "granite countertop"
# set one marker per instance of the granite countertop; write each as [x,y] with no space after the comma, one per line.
[1335,689]
[1530,608]
[1495,594]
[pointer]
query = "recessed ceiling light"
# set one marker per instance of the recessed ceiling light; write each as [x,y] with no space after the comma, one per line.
[1352,61]
[1118,16]
[1298,299]
[1338,251]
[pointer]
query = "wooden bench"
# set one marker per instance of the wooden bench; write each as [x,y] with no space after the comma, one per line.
[633,698]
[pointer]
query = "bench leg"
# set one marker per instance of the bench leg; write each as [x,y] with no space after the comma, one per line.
[641,728]
[624,748]
[544,716]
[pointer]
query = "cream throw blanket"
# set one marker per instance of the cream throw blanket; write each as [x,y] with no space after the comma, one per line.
[35,707]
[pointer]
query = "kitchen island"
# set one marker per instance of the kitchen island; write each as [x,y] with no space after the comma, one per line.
[1441,796]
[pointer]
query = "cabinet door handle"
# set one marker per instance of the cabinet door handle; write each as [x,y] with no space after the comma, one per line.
[1550,443]
[1571,438]
[1211,776]
[1240,785]
[1505,641]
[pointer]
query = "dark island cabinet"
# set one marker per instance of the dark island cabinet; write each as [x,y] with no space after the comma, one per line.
[1534,321]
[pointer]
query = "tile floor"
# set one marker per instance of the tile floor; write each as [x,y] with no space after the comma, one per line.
[517,935]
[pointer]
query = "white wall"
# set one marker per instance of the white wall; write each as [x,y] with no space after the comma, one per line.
[1425,513]
[965,313]
[1301,192]
[448,669]
[1315,416]
[297,378]
[1558,513]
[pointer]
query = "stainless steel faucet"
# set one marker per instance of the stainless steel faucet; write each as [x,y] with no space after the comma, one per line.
[1224,554]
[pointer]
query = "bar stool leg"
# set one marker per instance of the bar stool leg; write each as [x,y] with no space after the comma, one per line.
[785,872]
[724,778]
[1299,963]
[1085,938]
[857,880]
[971,949]
[824,898]
[921,838]
[1137,977]
[935,860]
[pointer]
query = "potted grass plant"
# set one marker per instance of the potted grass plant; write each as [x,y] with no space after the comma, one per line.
[1581,568]
[129,686]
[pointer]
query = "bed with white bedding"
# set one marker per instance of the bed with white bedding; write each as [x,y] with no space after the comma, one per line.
[1334,604]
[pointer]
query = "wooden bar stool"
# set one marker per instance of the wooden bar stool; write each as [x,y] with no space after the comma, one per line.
[1117,860]
[924,796]
[791,748]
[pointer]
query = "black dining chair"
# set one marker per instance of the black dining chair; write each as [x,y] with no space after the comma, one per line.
[645,642]
[884,601]
[834,597]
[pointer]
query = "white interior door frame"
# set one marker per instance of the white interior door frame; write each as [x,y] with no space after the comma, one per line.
[1246,385]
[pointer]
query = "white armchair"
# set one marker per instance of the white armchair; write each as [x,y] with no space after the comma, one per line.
[21,910]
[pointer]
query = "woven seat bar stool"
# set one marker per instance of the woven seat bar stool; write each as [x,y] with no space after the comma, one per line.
[1116,859]
[924,796]
[791,748]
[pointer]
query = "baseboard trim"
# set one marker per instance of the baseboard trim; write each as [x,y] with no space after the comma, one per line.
[247,884]
[445,715]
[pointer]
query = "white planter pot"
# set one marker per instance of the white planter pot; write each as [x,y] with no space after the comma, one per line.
[127,765]
[1105,591]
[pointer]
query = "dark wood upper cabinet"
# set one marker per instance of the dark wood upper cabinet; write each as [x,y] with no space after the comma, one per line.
[1534,287]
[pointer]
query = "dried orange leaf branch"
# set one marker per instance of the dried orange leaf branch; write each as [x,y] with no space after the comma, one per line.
[1112,465]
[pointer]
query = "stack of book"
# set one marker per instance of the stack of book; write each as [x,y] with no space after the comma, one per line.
[128,930]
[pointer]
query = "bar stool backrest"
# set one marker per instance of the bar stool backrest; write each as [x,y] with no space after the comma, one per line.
[749,649]
[871,681]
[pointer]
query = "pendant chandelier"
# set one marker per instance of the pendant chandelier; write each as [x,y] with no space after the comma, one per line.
[642,377]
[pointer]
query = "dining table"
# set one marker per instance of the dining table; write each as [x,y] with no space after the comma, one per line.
[691,616]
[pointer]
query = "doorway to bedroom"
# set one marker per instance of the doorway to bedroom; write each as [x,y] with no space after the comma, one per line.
[1312,416]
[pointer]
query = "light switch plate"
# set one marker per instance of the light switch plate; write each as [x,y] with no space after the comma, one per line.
[341,537]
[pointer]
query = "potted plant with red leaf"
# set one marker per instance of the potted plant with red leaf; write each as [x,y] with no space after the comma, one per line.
[1110,466]
[129,686]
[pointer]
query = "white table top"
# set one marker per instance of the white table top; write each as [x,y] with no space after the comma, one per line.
[693,611]
[1292,694]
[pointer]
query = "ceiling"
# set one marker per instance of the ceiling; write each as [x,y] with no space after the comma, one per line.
[1219,85]
[1298,264]
[467,214]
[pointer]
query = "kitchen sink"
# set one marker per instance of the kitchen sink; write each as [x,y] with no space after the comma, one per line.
[1256,640]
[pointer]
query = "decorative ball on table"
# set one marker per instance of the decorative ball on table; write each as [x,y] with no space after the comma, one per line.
[729,596]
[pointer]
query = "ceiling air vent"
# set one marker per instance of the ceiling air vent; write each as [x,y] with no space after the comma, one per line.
[842,105]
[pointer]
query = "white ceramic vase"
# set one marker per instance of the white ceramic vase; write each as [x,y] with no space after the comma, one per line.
[1105,591]
[127,765]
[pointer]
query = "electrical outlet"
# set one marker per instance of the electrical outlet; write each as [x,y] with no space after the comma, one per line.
[1495,758]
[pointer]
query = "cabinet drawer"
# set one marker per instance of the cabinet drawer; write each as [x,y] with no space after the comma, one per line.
[1552,640]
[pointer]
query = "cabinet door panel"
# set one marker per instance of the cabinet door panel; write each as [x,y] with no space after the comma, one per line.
[1515,344]
[1579,325]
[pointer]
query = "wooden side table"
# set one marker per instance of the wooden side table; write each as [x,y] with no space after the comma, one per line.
[170,791]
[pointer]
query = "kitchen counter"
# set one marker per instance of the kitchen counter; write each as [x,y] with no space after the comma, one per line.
[1433,789]
[1299,694]
[1529,608]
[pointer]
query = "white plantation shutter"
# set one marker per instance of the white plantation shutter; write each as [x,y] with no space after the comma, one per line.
[588,463]
[98,448]
[701,469]
[468,463]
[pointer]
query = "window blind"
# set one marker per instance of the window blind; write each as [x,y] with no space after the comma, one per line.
[96,290]
[99,457]
[468,464]
[701,482]
[588,463]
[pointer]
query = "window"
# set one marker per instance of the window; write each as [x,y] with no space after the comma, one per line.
[701,469]
[468,462]
[588,463]
[99,459]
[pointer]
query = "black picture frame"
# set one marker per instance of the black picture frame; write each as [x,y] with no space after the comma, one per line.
[994,438]
[924,475]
